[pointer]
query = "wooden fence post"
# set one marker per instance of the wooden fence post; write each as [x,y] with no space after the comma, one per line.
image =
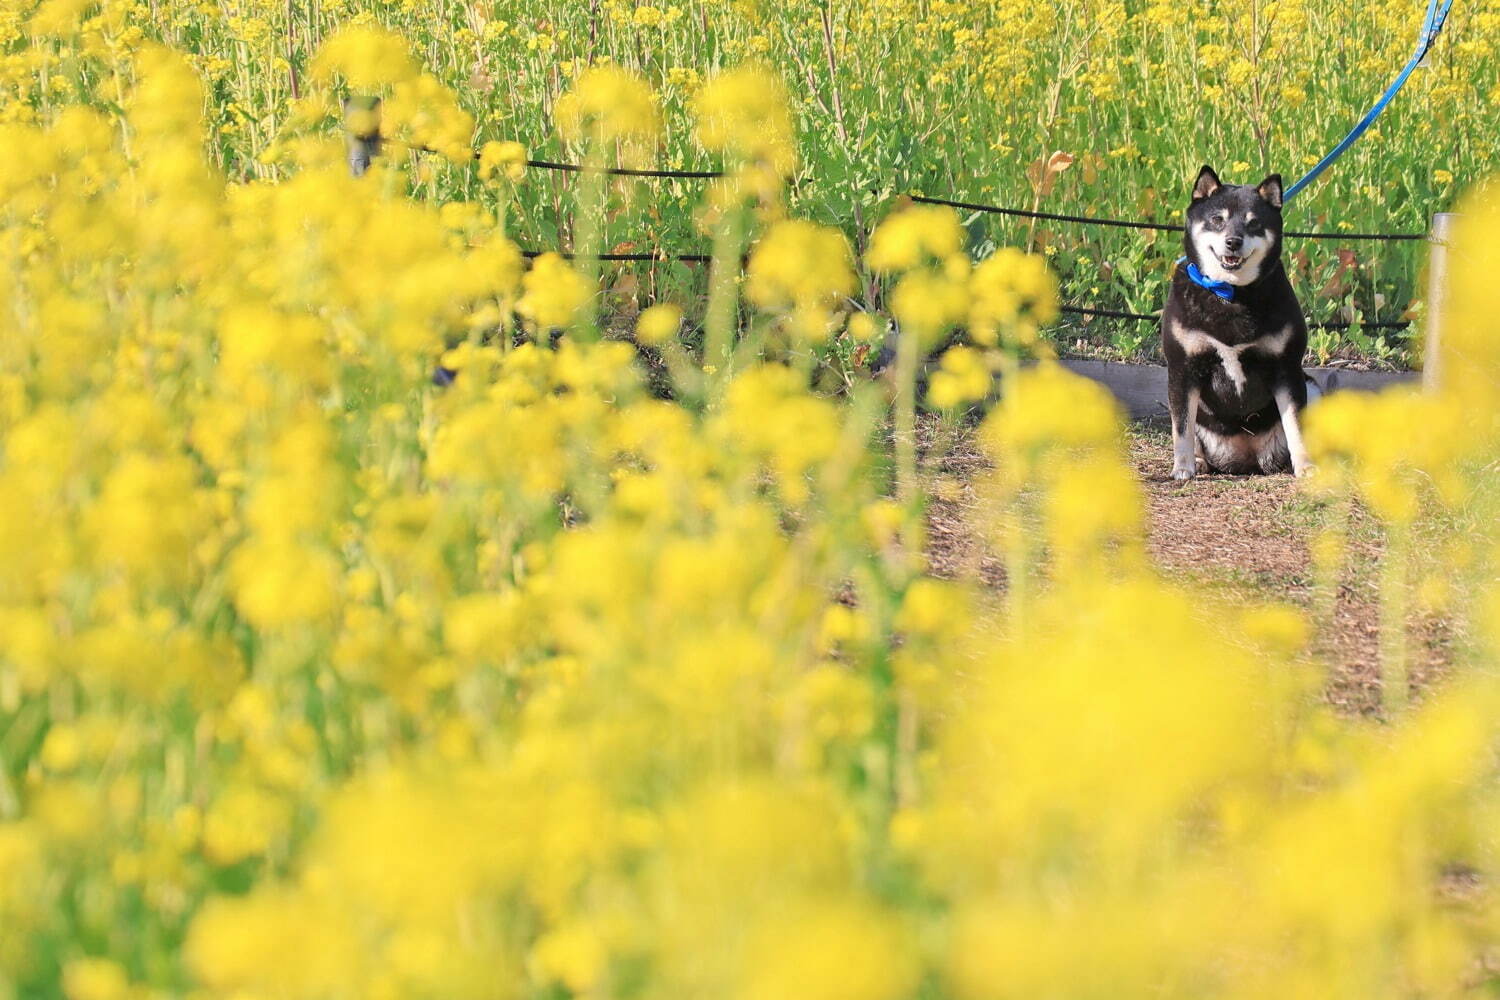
[1437,297]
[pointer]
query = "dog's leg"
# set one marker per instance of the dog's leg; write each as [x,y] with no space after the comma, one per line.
[1184,404]
[1292,427]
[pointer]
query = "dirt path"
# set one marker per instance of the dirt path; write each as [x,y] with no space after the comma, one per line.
[1241,539]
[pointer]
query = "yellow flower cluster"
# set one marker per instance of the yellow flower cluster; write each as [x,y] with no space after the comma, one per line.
[1013,294]
[322,680]
[417,109]
[1061,432]
[1410,455]
[925,245]
[658,324]
[913,236]
[1001,303]
[508,159]
[1371,443]
[964,377]
[365,58]
[742,115]
[554,293]
[804,268]
[1369,439]
[607,105]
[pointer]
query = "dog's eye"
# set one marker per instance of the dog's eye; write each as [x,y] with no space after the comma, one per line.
[1216,222]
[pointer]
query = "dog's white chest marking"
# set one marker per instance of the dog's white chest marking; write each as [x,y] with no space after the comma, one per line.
[1198,342]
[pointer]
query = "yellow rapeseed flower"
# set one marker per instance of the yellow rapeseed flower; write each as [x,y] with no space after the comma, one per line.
[507,159]
[553,293]
[607,104]
[658,324]
[369,59]
[1013,294]
[803,268]
[95,979]
[743,114]
[963,377]
[914,236]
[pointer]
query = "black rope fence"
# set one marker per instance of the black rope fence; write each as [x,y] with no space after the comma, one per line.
[1158,226]
[1153,317]
[578,168]
[971,206]
[703,258]
[1022,213]
[691,258]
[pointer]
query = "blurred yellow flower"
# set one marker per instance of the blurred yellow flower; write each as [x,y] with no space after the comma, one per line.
[864,328]
[1014,295]
[369,59]
[280,582]
[742,113]
[95,979]
[554,294]
[914,236]
[507,159]
[244,822]
[802,268]
[963,377]
[607,104]
[658,324]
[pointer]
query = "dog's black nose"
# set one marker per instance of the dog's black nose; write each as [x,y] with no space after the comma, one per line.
[1233,243]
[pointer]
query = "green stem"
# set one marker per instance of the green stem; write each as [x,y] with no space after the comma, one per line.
[1393,603]
[1017,542]
[908,354]
[587,245]
[723,302]
[908,490]
[1326,577]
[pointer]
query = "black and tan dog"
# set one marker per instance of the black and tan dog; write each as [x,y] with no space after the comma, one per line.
[1233,335]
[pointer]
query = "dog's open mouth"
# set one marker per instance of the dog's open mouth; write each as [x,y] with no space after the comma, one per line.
[1230,261]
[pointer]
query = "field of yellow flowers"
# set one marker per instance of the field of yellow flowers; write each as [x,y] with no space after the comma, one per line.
[612,668]
[1128,97]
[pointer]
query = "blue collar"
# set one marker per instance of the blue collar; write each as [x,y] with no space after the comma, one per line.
[1222,289]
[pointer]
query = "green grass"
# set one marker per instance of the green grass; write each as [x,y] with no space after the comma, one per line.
[963,101]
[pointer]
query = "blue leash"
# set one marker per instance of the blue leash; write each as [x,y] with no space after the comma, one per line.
[1431,26]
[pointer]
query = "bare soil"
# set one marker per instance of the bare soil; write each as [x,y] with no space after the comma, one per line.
[1237,539]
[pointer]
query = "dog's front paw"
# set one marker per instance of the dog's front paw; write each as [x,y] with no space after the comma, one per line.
[1180,471]
[1306,472]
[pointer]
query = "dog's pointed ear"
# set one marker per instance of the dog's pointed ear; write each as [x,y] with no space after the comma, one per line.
[1270,189]
[1206,184]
